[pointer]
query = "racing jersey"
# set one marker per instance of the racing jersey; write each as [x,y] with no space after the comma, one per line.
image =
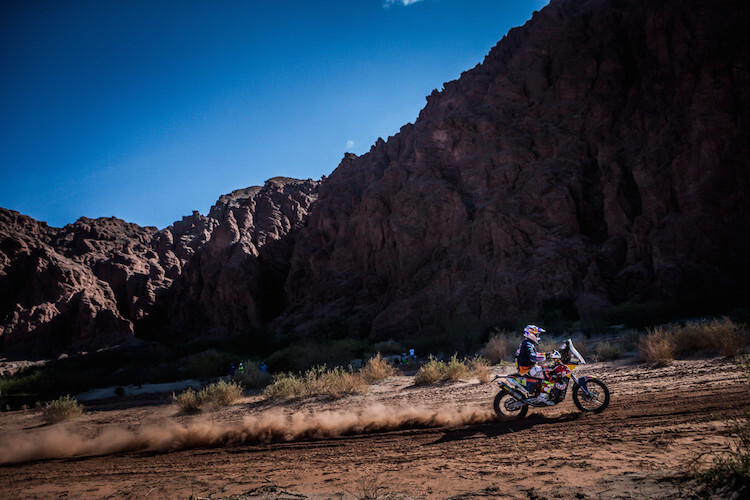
[527,355]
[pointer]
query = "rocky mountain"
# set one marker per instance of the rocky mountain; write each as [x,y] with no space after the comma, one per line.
[598,156]
[95,283]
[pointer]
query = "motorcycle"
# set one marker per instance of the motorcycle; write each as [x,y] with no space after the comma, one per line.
[589,393]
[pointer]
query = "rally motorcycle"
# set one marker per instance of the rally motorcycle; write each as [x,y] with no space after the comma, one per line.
[516,394]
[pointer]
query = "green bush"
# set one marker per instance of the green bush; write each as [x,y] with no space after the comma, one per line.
[63,408]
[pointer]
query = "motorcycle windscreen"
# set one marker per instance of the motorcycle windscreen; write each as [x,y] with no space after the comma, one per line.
[575,352]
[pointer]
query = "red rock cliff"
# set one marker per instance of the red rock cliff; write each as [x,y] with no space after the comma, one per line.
[598,155]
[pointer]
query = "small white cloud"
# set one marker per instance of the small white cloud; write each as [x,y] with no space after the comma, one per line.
[350,143]
[388,3]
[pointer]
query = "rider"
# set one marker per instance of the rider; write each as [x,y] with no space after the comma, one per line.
[527,358]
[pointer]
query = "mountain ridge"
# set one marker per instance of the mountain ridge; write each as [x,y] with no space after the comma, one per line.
[596,157]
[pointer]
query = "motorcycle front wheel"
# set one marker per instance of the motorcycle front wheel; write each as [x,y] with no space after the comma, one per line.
[596,400]
[509,408]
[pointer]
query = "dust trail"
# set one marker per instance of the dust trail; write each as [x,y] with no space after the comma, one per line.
[270,426]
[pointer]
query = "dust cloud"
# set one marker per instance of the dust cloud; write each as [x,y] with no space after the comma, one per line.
[270,426]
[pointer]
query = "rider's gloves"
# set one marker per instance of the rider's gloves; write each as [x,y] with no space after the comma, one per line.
[554,355]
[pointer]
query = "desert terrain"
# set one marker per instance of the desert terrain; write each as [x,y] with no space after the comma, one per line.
[396,441]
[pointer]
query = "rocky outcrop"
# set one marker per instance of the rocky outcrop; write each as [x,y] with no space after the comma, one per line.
[50,298]
[598,155]
[99,282]
[236,278]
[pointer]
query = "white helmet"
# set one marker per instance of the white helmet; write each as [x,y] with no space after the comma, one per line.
[532,332]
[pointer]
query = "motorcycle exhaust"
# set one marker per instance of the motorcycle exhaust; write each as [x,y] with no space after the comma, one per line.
[513,392]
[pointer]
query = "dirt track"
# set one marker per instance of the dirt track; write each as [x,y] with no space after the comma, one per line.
[658,421]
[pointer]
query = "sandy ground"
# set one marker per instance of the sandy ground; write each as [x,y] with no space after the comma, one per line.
[396,441]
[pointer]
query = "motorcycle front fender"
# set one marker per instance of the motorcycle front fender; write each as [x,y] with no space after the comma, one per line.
[583,382]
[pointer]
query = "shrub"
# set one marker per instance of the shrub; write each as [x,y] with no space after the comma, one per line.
[435,371]
[500,347]
[63,408]
[212,396]
[727,338]
[480,367]
[430,372]
[318,380]
[377,369]
[456,369]
[284,386]
[187,400]
[339,382]
[731,468]
[658,346]
[220,393]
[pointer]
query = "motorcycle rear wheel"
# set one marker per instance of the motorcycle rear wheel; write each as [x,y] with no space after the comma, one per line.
[596,401]
[509,408]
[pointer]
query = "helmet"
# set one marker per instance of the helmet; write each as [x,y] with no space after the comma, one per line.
[532,332]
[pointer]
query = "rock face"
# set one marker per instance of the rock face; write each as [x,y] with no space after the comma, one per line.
[95,283]
[598,156]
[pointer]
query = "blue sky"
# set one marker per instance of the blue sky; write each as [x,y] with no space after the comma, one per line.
[148,110]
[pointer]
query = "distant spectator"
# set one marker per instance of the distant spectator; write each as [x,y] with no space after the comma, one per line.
[232,369]
[412,354]
[241,369]
[263,367]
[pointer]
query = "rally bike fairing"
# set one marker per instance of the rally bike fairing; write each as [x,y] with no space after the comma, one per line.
[517,392]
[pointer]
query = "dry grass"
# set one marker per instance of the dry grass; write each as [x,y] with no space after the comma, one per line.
[435,371]
[724,336]
[430,372]
[214,395]
[377,369]
[187,400]
[316,381]
[63,408]
[730,469]
[284,386]
[480,367]
[658,346]
[369,488]
[501,347]
[661,344]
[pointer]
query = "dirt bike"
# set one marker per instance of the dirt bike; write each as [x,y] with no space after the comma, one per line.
[589,393]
